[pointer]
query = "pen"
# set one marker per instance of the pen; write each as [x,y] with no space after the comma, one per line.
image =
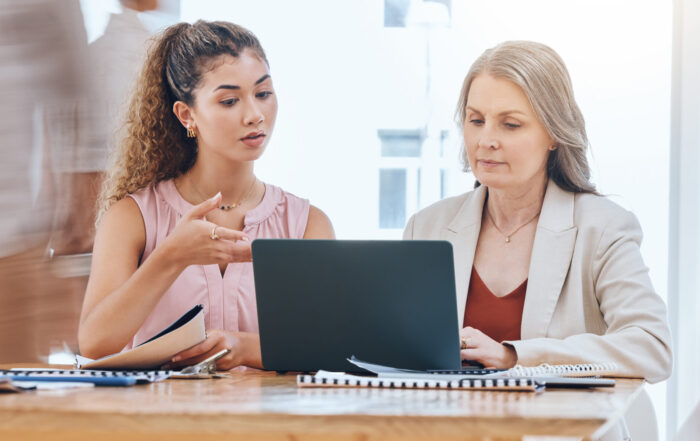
[216,356]
[207,366]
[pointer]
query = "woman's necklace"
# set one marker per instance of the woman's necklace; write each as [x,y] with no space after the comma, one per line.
[227,207]
[508,236]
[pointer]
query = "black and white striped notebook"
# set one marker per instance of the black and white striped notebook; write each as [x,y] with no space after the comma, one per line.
[564,370]
[334,379]
[34,373]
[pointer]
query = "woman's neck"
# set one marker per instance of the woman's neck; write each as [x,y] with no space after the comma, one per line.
[510,208]
[206,178]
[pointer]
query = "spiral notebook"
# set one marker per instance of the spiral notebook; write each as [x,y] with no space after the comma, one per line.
[543,370]
[336,379]
[99,378]
[564,370]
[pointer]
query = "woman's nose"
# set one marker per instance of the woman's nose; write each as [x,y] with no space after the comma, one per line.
[488,143]
[253,115]
[488,139]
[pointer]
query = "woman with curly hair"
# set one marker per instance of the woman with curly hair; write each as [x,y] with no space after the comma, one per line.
[182,203]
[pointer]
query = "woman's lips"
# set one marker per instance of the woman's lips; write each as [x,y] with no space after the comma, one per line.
[254,141]
[485,163]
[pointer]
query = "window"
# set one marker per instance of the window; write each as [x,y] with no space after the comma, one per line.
[400,164]
[392,198]
[395,12]
[401,143]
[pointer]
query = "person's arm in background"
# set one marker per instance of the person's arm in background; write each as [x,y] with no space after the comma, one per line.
[78,200]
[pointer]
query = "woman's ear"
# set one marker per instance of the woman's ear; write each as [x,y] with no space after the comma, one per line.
[183,113]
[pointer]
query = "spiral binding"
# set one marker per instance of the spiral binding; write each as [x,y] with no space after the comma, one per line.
[514,384]
[564,370]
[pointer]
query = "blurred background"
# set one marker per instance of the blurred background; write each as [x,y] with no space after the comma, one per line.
[367,91]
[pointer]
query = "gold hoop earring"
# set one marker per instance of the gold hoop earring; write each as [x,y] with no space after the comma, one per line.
[191,133]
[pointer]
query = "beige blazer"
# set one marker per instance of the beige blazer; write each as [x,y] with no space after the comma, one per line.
[589,298]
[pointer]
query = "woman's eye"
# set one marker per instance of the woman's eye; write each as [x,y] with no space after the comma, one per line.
[477,122]
[229,102]
[263,94]
[512,125]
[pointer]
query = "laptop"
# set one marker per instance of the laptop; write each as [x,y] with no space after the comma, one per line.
[386,302]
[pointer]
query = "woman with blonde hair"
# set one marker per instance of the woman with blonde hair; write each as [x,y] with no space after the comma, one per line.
[547,270]
[182,202]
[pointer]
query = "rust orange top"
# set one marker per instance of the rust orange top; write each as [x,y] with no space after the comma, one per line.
[497,317]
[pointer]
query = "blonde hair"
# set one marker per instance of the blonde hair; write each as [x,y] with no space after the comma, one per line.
[539,71]
[154,145]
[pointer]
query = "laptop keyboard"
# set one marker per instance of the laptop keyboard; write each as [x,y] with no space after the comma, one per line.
[465,371]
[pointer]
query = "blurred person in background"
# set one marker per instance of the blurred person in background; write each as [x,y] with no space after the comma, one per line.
[42,45]
[79,132]
[85,131]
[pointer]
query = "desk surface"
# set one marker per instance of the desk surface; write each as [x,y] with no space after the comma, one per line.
[264,406]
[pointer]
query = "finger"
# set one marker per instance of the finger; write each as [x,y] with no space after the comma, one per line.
[241,252]
[232,235]
[225,363]
[227,252]
[223,257]
[196,350]
[199,211]
[196,359]
[471,354]
[467,331]
[467,339]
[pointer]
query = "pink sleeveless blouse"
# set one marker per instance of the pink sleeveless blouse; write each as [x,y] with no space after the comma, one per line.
[229,301]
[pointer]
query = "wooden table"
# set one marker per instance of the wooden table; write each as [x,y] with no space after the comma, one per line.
[266,406]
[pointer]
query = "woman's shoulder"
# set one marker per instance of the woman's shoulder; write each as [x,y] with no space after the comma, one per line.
[279,214]
[445,208]
[277,202]
[152,192]
[288,197]
[604,219]
[122,222]
[429,221]
[143,197]
[314,221]
[123,209]
[160,199]
[599,210]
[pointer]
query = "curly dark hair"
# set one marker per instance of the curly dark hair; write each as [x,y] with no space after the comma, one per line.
[154,146]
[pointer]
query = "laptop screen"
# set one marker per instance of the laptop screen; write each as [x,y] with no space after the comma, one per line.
[387,302]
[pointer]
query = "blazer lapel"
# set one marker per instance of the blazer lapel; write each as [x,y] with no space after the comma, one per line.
[549,264]
[463,233]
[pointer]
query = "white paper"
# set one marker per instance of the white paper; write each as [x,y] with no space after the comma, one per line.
[154,353]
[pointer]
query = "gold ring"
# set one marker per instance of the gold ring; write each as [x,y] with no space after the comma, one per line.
[213,235]
[464,343]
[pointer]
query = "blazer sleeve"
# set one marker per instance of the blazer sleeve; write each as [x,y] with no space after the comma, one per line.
[637,338]
[408,231]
